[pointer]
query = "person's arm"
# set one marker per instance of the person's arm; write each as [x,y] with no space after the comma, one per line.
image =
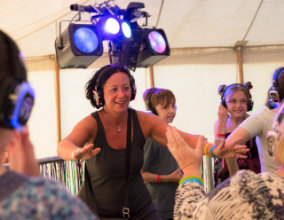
[151,152]
[244,136]
[157,178]
[155,128]
[75,146]
[220,125]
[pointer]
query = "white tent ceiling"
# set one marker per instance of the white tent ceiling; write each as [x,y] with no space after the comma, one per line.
[187,23]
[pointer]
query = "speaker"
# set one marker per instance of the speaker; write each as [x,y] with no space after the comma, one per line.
[16,95]
[250,101]
[98,93]
[275,93]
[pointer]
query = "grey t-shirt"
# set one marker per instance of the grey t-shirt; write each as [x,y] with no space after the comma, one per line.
[258,125]
[158,160]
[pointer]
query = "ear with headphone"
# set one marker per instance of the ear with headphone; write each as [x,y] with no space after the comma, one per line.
[16,95]
[250,101]
[98,93]
[275,93]
[149,104]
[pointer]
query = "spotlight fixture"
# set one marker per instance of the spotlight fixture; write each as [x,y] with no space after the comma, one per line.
[154,48]
[113,28]
[78,46]
[129,44]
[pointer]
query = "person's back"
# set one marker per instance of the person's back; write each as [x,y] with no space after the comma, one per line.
[245,195]
[24,195]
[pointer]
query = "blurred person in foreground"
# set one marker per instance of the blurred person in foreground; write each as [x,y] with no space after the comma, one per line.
[24,195]
[246,195]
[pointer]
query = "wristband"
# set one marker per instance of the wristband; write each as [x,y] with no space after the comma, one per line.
[158,178]
[188,179]
[205,152]
[220,135]
[211,151]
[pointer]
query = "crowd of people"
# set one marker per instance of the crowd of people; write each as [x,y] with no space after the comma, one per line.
[138,166]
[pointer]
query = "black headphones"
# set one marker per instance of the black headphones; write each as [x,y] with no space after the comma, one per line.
[275,93]
[149,104]
[250,101]
[98,93]
[16,94]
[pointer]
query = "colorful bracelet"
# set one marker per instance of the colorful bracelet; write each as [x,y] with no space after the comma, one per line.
[158,178]
[188,179]
[211,151]
[220,135]
[205,149]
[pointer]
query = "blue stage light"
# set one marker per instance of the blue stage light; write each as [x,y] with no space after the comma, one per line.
[78,46]
[85,39]
[126,29]
[111,26]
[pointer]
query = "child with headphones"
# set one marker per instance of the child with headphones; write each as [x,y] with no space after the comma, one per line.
[236,101]
[23,195]
[160,170]
[258,124]
[246,195]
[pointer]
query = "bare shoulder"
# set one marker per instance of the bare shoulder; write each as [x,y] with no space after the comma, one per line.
[89,122]
[84,130]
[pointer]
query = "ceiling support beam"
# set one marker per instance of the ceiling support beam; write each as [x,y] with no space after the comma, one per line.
[151,76]
[239,51]
[57,97]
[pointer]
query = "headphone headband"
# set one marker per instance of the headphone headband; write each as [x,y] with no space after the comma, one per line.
[276,75]
[109,70]
[16,95]
[149,104]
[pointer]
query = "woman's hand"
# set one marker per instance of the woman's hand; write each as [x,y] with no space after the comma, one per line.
[189,158]
[21,154]
[227,150]
[85,153]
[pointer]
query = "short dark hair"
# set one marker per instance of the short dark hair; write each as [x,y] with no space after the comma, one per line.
[100,77]
[155,96]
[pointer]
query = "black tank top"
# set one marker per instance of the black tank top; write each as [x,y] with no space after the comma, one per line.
[107,174]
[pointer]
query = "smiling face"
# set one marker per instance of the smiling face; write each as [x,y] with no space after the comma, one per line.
[237,104]
[166,112]
[117,92]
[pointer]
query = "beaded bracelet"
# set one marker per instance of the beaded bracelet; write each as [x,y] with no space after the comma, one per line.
[188,179]
[205,149]
[211,151]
